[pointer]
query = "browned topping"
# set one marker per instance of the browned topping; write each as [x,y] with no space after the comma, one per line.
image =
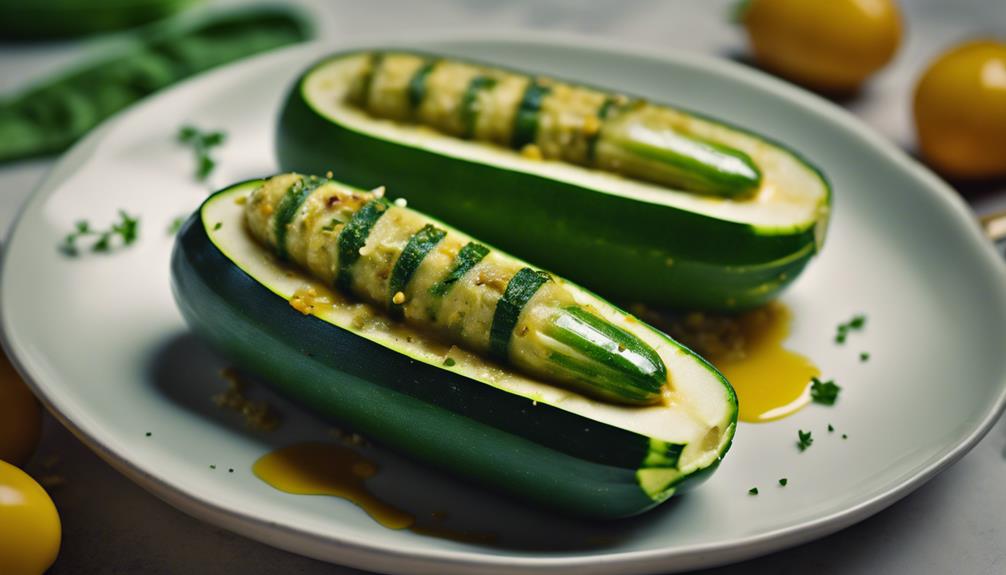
[259,415]
[531,152]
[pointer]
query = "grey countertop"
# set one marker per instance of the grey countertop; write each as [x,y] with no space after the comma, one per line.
[954,524]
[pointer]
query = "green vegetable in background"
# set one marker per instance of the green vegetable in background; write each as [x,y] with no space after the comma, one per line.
[51,116]
[38,19]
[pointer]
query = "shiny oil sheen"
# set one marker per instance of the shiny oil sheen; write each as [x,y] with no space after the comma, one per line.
[771,381]
[315,468]
[328,469]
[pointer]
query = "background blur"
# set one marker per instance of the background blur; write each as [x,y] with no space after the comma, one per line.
[955,524]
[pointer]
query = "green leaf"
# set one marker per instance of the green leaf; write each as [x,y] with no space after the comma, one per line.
[201,143]
[824,392]
[126,229]
[187,133]
[804,439]
[176,224]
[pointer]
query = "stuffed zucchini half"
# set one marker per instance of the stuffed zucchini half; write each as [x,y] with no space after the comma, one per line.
[392,323]
[644,203]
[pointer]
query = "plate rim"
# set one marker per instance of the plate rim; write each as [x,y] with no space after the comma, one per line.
[362,554]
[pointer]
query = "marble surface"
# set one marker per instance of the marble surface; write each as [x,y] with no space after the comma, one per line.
[954,524]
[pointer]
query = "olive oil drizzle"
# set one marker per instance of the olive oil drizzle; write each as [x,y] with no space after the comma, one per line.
[331,469]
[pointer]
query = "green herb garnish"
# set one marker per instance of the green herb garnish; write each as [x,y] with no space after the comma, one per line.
[217,226]
[805,440]
[127,229]
[176,224]
[824,392]
[864,356]
[449,362]
[857,323]
[830,428]
[844,436]
[783,481]
[753,491]
[202,143]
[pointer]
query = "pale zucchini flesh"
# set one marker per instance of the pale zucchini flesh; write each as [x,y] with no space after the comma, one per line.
[632,241]
[375,249]
[791,195]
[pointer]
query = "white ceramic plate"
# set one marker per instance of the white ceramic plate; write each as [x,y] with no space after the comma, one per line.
[100,340]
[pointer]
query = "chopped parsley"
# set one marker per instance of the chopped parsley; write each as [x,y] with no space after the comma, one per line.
[213,466]
[805,440]
[217,226]
[824,392]
[857,323]
[864,356]
[830,428]
[127,229]
[148,434]
[449,362]
[783,481]
[753,491]
[202,143]
[844,436]
[176,225]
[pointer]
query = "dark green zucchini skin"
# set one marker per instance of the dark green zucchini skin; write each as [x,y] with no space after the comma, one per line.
[537,452]
[624,249]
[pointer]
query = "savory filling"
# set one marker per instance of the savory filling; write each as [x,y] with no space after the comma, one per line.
[551,120]
[451,286]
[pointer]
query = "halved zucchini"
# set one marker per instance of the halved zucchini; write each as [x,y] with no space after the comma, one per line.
[631,240]
[351,362]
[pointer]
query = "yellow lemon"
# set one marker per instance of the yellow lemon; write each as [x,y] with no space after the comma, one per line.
[960,111]
[30,531]
[829,45]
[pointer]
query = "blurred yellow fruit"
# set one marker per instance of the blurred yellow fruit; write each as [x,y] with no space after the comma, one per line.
[828,45]
[20,416]
[30,530]
[960,111]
